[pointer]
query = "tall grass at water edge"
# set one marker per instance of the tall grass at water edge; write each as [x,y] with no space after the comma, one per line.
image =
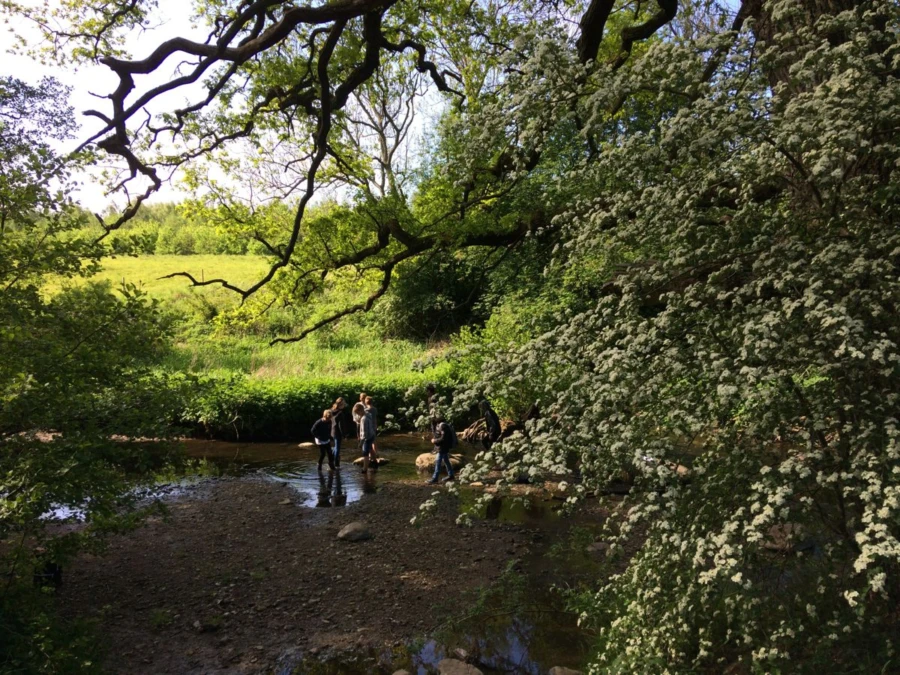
[253,356]
[240,408]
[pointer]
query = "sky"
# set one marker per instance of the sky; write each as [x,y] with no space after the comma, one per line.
[89,83]
[90,80]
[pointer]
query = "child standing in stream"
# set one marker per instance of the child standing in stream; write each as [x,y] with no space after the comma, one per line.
[358,412]
[321,432]
[367,436]
[337,427]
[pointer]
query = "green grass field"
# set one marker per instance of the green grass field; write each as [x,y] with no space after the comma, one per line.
[253,356]
[146,272]
[351,352]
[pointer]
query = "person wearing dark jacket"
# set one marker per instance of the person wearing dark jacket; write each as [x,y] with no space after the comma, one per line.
[430,401]
[493,425]
[338,413]
[443,441]
[321,432]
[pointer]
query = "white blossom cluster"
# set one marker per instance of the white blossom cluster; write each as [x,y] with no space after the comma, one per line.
[750,332]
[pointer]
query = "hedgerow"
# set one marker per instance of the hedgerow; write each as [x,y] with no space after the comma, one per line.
[241,408]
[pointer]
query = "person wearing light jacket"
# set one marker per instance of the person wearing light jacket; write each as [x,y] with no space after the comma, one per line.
[367,432]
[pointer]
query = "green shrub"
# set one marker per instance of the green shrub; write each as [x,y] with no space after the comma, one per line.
[268,410]
[180,241]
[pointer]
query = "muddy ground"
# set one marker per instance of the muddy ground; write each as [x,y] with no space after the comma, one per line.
[236,580]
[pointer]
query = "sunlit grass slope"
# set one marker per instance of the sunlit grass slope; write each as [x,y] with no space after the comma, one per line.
[342,353]
[253,356]
[147,271]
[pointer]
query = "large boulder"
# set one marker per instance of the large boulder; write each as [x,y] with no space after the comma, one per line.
[457,667]
[425,461]
[355,531]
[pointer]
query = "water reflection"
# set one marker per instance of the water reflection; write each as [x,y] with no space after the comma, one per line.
[331,489]
[298,467]
[368,483]
[338,496]
[324,496]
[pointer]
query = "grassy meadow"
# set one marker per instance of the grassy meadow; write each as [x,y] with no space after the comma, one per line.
[146,272]
[253,356]
[344,353]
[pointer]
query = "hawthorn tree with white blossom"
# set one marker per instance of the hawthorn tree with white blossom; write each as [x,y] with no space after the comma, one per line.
[747,328]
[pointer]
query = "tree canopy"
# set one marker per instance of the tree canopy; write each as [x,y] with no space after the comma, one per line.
[74,372]
[304,99]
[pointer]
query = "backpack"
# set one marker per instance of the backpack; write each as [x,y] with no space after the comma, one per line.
[454,441]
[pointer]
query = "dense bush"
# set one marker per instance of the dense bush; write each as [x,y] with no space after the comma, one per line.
[75,371]
[167,229]
[748,328]
[236,407]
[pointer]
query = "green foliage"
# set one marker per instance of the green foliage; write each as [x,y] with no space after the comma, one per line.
[513,323]
[33,639]
[709,276]
[285,409]
[742,322]
[168,229]
[431,299]
[75,372]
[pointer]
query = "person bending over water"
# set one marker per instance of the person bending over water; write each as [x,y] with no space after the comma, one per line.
[321,432]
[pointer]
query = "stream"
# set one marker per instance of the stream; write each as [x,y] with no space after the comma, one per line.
[297,466]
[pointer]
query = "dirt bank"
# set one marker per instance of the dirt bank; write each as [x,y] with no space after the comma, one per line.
[236,578]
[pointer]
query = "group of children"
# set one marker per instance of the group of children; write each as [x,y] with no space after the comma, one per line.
[329,431]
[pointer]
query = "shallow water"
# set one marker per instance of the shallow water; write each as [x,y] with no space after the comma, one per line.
[297,466]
